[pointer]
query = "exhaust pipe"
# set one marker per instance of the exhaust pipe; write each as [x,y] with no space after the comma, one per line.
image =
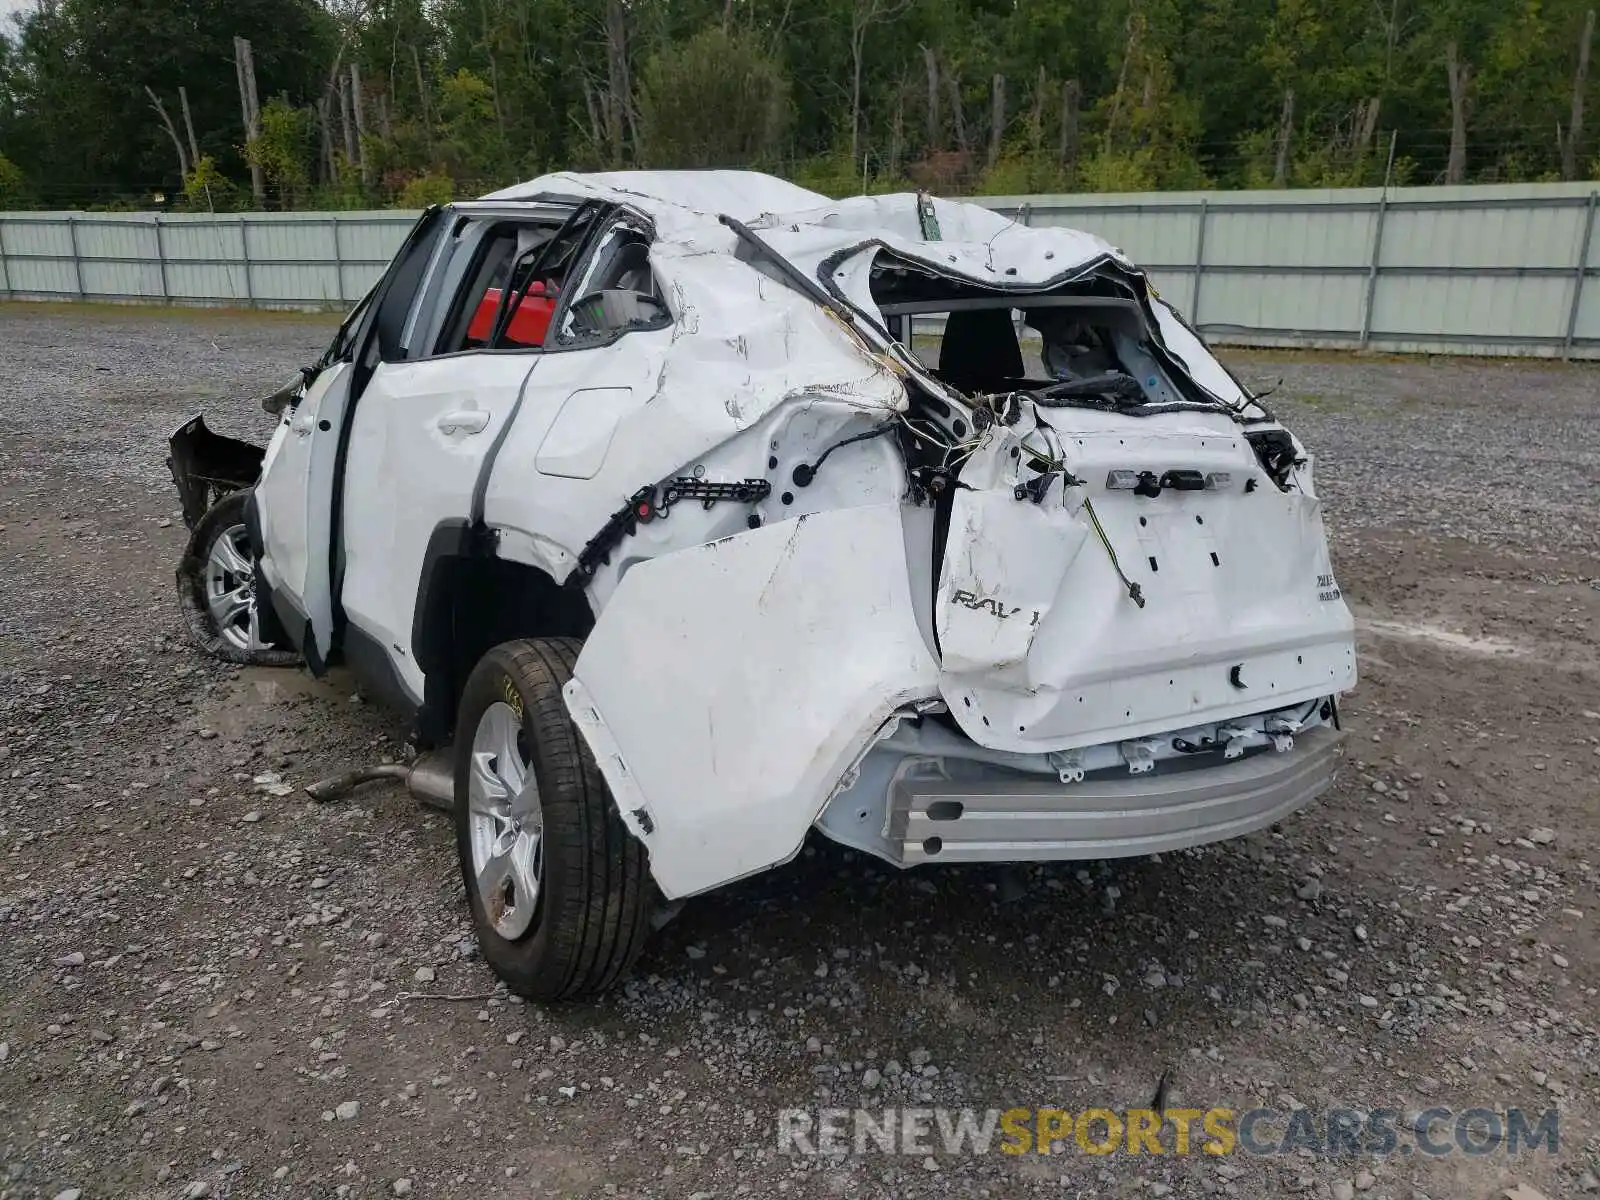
[430,778]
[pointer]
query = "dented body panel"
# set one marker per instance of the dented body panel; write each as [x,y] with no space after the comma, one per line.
[698,652]
[841,573]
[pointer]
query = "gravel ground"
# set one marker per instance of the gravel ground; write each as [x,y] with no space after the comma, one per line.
[209,986]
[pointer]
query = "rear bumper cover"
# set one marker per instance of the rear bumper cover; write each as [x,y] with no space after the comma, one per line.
[1007,817]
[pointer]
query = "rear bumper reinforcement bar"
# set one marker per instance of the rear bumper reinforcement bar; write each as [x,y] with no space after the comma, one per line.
[1016,819]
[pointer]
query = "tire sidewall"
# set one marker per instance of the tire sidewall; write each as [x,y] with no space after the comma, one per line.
[217,520]
[493,681]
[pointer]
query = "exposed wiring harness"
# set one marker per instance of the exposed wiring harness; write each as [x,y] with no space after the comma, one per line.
[1135,593]
[806,472]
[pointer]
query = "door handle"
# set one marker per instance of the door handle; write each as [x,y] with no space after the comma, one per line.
[467,420]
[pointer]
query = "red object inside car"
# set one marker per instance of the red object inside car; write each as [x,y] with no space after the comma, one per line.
[528,322]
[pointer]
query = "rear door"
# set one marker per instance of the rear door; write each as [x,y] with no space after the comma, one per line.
[436,406]
[297,498]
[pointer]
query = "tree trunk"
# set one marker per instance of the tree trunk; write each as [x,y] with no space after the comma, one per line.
[347,121]
[1460,83]
[325,125]
[727,15]
[958,119]
[1070,94]
[422,101]
[361,124]
[935,126]
[1280,171]
[1122,80]
[188,125]
[596,124]
[997,117]
[1369,126]
[385,119]
[172,132]
[1573,143]
[858,49]
[245,68]
[1036,113]
[616,77]
[897,134]
[630,110]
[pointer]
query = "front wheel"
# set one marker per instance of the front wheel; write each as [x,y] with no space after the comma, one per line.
[560,891]
[217,590]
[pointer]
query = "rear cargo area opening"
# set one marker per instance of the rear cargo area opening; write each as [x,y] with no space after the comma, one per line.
[987,341]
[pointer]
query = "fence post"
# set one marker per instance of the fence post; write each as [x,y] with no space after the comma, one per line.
[77,261]
[338,259]
[244,249]
[1577,278]
[1199,266]
[161,261]
[1372,269]
[5,267]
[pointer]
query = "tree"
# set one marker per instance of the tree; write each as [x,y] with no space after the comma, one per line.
[717,100]
[864,15]
[282,152]
[958,95]
[83,121]
[14,191]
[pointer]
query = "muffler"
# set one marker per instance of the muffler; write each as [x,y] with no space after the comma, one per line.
[430,778]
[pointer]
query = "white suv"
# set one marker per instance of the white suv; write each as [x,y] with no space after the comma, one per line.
[698,511]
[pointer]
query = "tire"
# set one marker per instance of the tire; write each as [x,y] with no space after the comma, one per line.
[591,892]
[218,595]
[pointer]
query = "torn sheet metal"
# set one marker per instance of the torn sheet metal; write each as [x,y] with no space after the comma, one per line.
[727,688]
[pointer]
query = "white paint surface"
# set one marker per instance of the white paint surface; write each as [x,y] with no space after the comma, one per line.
[726,688]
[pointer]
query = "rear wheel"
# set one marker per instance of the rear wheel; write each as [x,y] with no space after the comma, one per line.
[560,891]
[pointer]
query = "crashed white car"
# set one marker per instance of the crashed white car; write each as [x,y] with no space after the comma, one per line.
[698,511]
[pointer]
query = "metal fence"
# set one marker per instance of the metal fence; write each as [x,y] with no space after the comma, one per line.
[1470,270]
[254,260]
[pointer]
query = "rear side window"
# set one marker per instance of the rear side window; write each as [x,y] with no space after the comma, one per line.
[510,292]
[619,291]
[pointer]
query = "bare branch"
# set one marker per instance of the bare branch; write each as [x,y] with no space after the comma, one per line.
[172,131]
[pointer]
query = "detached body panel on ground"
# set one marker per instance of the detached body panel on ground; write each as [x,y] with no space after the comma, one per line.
[1058,590]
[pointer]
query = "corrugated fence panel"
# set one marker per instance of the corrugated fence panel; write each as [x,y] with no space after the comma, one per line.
[1502,269]
[293,261]
[1298,238]
[206,259]
[1482,237]
[1487,309]
[39,258]
[120,258]
[1276,302]
[1585,317]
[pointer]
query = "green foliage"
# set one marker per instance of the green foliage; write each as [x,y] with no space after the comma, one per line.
[831,174]
[74,114]
[282,151]
[433,188]
[716,100]
[470,141]
[207,189]
[14,191]
[1025,174]
[458,96]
